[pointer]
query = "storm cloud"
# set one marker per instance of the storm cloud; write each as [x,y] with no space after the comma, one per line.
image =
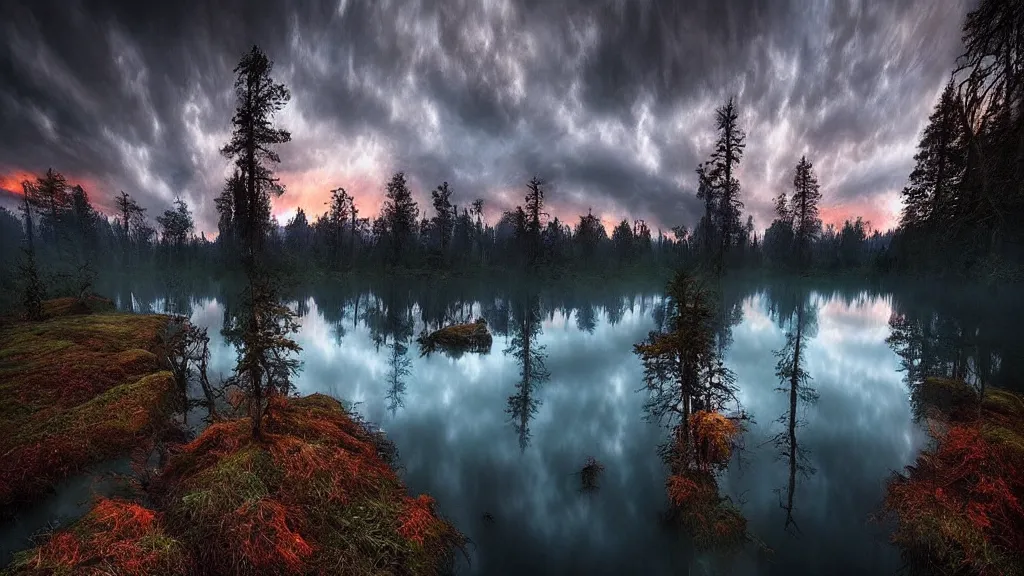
[610,101]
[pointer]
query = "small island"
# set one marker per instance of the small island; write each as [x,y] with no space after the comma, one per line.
[458,339]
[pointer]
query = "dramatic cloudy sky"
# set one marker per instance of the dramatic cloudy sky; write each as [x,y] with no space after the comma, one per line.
[610,101]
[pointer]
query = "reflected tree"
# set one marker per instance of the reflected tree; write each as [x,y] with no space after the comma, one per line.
[586,318]
[688,387]
[794,378]
[683,371]
[399,367]
[523,405]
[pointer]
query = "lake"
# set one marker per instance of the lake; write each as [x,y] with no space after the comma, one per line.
[500,457]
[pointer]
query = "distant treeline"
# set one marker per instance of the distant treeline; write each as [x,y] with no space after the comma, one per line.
[963,209]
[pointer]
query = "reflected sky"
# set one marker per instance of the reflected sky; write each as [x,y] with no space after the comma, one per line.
[457,443]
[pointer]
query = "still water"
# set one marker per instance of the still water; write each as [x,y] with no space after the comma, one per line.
[505,476]
[498,452]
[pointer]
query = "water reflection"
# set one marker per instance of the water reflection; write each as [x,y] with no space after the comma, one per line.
[795,379]
[567,359]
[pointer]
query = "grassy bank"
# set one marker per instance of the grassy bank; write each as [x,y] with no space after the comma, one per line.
[316,496]
[960,507]
[75,389]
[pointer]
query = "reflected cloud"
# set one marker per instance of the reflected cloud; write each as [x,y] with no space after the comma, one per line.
[453,431]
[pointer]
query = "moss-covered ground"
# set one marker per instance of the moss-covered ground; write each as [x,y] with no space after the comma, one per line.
[75,390]
[959,507]
[314,496]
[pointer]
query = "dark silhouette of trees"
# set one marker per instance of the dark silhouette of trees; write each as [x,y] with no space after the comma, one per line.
[50,196]
[444,217]
[940,166]
[252,138]
[32,293]
[724,161]
[790,370]
[719,230]
[523,405]
[588,237]
[341,212]
[177,224]
[804,206]
[398,217]
[965,201]
[534,215]
[622,240]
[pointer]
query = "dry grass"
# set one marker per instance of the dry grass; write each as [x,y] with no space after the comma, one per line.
[314,497]
[75,390]
[115,537]
[959,507]
[69,306]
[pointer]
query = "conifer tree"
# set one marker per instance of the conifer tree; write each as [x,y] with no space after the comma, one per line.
[725,160]
[804,206]
[251,145]
[399,215]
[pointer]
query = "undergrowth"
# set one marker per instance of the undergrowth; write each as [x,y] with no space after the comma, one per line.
[115,537]
[314,496]
[711,519]
[960,507]
[76,390]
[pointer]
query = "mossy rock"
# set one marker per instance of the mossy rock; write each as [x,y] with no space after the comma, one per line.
[458,339]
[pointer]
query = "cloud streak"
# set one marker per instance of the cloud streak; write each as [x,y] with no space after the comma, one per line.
[612,102]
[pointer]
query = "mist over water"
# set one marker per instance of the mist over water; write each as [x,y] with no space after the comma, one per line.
[501,458]
[519,501]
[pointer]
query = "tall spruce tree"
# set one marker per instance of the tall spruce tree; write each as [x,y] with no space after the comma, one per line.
[251,146]
[400,216]
[444,216]
[534,215]
[932,198]
[725,160]
[804,208]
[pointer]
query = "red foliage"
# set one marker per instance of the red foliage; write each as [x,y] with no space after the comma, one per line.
[681,490]
[57,416]
[965,488]
[418,521]
[713,437]
[265,538]
[114,533]
[313,457]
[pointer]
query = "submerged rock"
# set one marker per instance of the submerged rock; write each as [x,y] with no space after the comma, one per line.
[458,339]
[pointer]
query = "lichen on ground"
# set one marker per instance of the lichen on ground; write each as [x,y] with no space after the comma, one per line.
[75,390]
[458,339]
[959,507]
